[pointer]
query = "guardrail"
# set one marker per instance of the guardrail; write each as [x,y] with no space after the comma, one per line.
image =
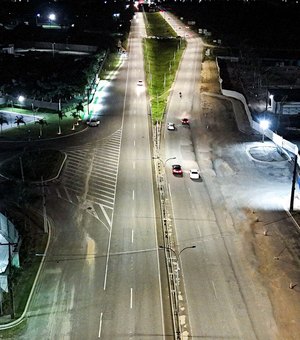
[165,208]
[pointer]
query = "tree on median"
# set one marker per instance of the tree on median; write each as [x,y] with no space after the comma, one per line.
[60,114]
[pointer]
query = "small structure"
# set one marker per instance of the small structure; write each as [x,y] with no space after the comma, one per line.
[9,250]
[283,101]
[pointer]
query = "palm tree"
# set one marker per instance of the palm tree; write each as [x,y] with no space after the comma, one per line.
[75,116]
[79,108]
[19,120]
[3,121]
[42,122]
[61,114]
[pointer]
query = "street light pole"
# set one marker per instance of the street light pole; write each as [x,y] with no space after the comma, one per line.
[293,184]
[174,252]
[53,49]
[88,102]
[168,159]
[163,162]
[174,288]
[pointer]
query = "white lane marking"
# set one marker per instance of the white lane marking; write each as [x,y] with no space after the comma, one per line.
[108,220]
[133,195]
[134,125]
[130,298]
[132,232]
[100,325]
[190,192]
[199,230]
[58,193]
[121,131]
[67,194]
[215,292]
[133,164]
[170,192]
[133,251]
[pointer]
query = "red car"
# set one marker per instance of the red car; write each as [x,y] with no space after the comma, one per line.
[185,121]
[176,170]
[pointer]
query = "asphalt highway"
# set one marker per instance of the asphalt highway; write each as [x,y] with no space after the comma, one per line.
[101,276]
[218,293]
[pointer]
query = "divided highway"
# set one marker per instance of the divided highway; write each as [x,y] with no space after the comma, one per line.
[101,276]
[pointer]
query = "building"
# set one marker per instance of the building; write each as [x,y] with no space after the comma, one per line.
[284,101]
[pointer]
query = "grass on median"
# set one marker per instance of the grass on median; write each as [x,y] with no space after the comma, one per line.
[156,25]
[162,58]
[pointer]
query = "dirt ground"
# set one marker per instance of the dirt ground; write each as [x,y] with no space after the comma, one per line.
[270,238]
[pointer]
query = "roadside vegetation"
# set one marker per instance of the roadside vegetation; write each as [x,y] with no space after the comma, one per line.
[47,123]
[162,55]
[49,77]
[20,200]
[43,124]
[33,165]
[30,228]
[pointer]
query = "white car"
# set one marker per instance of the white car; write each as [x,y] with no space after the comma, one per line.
[194,174]
[140,83]
[93,122]
[171,127]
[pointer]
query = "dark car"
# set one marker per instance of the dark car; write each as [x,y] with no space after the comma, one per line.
[176,170]
[93,122]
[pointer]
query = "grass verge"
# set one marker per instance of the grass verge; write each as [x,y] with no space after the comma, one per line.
[34,130]
[162,57]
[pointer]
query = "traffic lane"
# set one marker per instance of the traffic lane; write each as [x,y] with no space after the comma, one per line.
[134,231]
[208,268]
[187,80]
[133,308]
[66,298]
[90,296]
[134,276]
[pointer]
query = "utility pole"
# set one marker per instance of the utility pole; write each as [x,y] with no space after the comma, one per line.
[44,206]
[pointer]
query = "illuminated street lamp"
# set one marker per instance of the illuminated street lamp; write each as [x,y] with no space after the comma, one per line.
[52,17]
[264,125]
[21,99]
[36,19]
[164,162]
